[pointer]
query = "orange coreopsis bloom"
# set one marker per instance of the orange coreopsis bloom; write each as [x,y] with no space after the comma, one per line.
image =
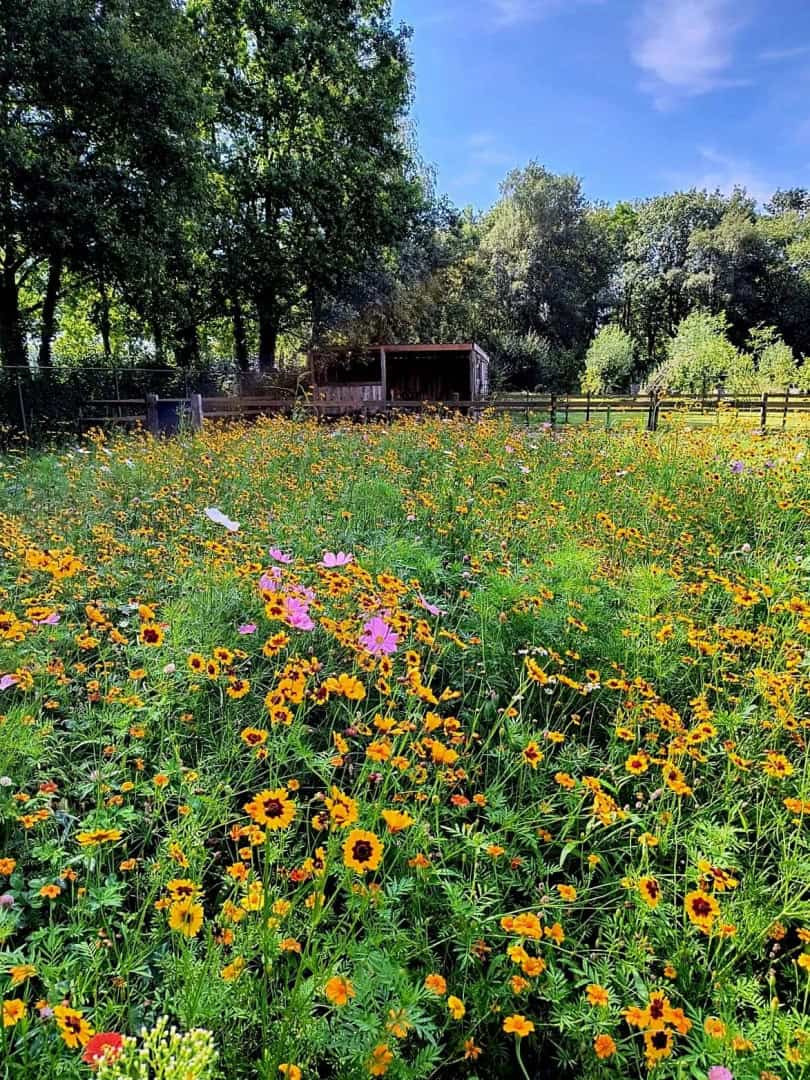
[604,1046]
[702,909]
[437,984]
[518,1025]
[596,994]
[338,990]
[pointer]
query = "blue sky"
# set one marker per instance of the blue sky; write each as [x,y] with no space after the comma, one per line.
[635,96]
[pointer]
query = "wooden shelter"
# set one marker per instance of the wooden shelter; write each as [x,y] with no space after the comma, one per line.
[390,373]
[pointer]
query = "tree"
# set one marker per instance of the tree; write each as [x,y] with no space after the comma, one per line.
[98,134]
[549,260]
[699,354]
[609,359]
[777,365]
[655,277]
[307,139]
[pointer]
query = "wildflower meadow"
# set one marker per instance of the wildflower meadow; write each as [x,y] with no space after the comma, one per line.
[433,749]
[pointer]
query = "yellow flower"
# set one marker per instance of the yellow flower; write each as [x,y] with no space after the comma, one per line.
[456,1007]
[73,1028]
[396,820]
[98,836]
[291,1072]
[232,971]
[186,917]
[702,909]
[362,851]
[273,809]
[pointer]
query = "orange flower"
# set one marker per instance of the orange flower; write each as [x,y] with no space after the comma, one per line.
[518,1025]
[339,990]
[702,909]
[596,994]
[381,1058]
[604,1046]
[436,984]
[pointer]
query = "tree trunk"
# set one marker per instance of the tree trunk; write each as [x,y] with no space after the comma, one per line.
[160,347]
[104,322]
[240,336]
[187,351]
[48,330]
[268,332]
[12,340]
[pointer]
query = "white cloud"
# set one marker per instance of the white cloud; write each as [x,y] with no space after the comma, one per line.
[513,12]
[686,47]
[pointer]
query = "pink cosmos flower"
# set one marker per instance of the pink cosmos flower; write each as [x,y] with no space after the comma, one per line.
[720,1072]
[8,680]
[50,620]
[280,556]
[342,558]
[378,637]
[428,606]
[247,628]
[298,614]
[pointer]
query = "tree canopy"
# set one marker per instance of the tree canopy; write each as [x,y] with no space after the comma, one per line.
[184,182]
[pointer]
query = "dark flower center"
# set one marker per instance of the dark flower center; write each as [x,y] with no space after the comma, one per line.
[362,851]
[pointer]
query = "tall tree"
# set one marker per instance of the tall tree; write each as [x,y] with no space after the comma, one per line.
[99,118]
[311,97]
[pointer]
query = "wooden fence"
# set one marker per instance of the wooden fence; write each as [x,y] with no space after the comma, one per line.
[165,415]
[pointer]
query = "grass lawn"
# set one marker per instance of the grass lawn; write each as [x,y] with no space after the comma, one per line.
[436,749]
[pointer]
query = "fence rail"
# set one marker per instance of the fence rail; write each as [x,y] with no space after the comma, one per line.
[167,414]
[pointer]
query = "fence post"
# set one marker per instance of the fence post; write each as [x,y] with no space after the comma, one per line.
[552,410]
[587,407]
[566,408]
[763,411]
[196,412]
[152,420]
[785,409]
[652,414]
[22,407]
[527,408]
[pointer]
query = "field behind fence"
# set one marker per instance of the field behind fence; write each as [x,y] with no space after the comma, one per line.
[650,411]
[72,408]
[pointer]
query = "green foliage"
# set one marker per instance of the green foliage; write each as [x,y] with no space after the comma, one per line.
[608,361]
[699,354]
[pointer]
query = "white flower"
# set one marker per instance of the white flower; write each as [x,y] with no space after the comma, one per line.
[219,518]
